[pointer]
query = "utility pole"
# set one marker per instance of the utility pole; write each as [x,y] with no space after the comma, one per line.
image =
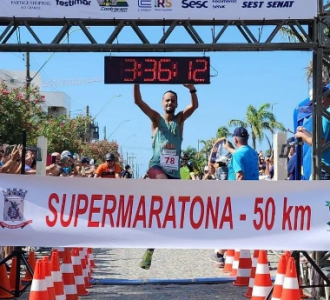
[87,125]
[105,132]
[131,158]
[28,78]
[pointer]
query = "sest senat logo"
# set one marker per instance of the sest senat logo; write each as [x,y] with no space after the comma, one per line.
[194,4]
[72,2]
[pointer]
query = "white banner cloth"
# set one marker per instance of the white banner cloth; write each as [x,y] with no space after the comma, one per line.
[59,211]
[160,9]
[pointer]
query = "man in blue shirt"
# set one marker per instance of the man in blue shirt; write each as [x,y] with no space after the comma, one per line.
[244,161]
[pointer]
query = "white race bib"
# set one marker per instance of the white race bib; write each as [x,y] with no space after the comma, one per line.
[169,160]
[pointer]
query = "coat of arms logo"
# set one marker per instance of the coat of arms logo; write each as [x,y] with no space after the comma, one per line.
[13,209]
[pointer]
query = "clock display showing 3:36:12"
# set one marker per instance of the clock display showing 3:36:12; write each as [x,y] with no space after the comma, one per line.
[163,70]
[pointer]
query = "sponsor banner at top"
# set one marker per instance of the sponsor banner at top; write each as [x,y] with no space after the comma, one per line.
[160,9]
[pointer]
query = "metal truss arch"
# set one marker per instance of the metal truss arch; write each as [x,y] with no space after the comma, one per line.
[301,30]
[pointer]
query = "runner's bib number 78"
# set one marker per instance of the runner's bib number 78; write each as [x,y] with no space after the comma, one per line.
[169,161]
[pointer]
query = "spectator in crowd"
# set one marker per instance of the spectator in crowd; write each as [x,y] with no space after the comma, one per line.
[186,169]
[126,173]
[269,170]
[222,170]
[244,161]
[209,172]
[83,167]
[109,169]
[307,137]
[56,157]
[292,159]
[303,118]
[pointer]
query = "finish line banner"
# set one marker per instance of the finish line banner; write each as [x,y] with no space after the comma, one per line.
[160,9]
[112,213]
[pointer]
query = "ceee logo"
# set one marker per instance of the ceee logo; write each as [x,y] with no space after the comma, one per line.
[194,4]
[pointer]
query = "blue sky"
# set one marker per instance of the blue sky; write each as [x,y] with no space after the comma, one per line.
[243,78]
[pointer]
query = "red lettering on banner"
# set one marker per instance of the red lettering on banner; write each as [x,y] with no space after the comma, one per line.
[184,200]
[298,213]
[227,214]
[286,215]
[124,213]
[93,210]
[170,213]
[197,224]
[155,212]
[80,210]
[109,211]
[140,215]
[212,212]
[68,221]
[49,222]
[121,212]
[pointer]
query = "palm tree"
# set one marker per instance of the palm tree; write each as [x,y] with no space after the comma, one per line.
[198,161]
[258,120]
[223,132]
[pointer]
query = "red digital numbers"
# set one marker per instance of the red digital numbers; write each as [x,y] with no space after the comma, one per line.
[131,70]
[193,73]
[157,70]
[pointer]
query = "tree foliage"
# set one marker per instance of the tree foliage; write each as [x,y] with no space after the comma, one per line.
[259,121]
[98,150]
[20,111]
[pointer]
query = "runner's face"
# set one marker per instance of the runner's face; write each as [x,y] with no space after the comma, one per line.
[169,102]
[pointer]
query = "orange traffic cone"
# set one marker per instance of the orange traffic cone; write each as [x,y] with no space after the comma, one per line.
[86,274]
[38,289]
[84,261]
[229,261]
[279,278]
[262,281]
[60,251]
[49,279]
[235,264]
[68,277]
[57,276]
[290,289]
[4,284]
[248,293]
[91,258]
[12,275]
[78,273]
[244,268]
[32,263]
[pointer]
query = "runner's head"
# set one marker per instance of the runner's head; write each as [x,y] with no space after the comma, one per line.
[110,159]
[170,101]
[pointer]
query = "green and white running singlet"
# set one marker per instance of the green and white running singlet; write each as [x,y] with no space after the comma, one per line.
[166,146]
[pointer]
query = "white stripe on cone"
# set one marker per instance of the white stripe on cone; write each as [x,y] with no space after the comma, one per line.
[38,285]
[243,272]
[57,276]
[260,291]
[290,283]
[67,268]
[279,279]
[70,289]
[262,269]
[245,254]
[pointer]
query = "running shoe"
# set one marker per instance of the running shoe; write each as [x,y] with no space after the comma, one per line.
[146,260]
[218,260]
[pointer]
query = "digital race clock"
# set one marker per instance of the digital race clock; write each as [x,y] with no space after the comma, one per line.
[145,69]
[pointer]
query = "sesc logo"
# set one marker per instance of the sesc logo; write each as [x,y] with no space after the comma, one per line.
[194,4]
